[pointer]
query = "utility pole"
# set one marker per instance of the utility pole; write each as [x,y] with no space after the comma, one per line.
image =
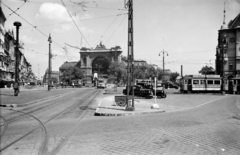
[163,67]
[130,66]
[49,63]
[16,83]
[224,45]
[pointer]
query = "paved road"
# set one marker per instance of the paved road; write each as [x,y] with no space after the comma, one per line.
[213,128]
[210,129]
[39,128]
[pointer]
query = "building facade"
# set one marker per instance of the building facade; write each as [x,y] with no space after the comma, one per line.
[228,49]
[54,77]
[7,58]
[97,61]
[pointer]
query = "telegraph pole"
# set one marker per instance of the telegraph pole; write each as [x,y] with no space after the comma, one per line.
[130,79]
[49,63]
[16,83]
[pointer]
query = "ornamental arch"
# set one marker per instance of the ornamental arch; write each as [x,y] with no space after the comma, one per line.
[97,61]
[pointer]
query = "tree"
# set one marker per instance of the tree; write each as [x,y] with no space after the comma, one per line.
[118,70]
[151,72]
[206,70]
[173,76]
[71,73]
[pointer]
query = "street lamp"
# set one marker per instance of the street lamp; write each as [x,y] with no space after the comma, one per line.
[16,83]
[163,67]
[49,62]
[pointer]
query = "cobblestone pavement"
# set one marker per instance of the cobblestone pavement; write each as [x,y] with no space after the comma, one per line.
[210,129]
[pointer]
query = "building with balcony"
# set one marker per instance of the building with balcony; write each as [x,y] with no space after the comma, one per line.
[7,58]
[228,49]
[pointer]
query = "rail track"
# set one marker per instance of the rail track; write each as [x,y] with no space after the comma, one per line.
[17,115]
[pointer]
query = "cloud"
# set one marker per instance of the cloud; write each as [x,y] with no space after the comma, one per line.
[63,28]
[28,40]
[54,11]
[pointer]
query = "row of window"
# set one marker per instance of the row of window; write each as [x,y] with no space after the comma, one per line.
[201,82]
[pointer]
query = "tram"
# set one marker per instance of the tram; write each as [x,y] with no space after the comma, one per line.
[201,83]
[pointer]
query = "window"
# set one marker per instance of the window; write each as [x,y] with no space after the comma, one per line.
[209,81]
[230,66]
[217,82]
[202,82]
[195,81]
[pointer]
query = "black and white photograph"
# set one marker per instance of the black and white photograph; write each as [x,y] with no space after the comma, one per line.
[119,77]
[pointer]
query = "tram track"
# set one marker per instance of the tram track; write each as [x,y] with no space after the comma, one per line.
[13,116]
[4,126]
[43,149]
[69,133]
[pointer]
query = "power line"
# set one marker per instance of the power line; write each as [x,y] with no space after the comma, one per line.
[33,26]
[116,28]
[16,9]
[75,24]
[108,27]
[78,20]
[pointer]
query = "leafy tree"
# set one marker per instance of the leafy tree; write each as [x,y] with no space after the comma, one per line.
[206,70]
[173,76]
[151,72]
[118,70]
[71,73]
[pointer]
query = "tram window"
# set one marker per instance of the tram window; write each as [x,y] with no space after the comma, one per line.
[189,81]
[202,82]
[195,81]
[217,82]
[209,81]
[238,82]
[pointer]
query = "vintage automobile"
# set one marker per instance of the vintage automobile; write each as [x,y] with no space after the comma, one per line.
[139,91]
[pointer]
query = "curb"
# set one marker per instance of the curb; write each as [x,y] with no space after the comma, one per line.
[125,114]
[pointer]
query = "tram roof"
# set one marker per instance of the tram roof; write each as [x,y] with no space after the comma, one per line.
[202,76]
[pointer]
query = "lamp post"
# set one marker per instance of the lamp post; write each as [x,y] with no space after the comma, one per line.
[163,67]
[16,83]
[49,62]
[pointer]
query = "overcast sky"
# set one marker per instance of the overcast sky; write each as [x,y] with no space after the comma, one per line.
[186,29]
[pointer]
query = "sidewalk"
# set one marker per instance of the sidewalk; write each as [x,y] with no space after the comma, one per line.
[107,106]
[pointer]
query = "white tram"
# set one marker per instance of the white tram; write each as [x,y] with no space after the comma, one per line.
[201,83]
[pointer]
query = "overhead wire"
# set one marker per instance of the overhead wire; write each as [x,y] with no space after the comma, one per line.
[78,20]
[75,24]
[16,10]
[116,29]
[33,26]
[108,28]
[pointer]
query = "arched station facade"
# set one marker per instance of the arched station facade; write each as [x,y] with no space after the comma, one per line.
[97,61]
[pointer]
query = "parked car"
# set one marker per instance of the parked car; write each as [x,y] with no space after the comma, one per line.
[173,86]
[139,91]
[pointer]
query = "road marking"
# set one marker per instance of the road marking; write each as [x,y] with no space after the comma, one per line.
[197,105]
